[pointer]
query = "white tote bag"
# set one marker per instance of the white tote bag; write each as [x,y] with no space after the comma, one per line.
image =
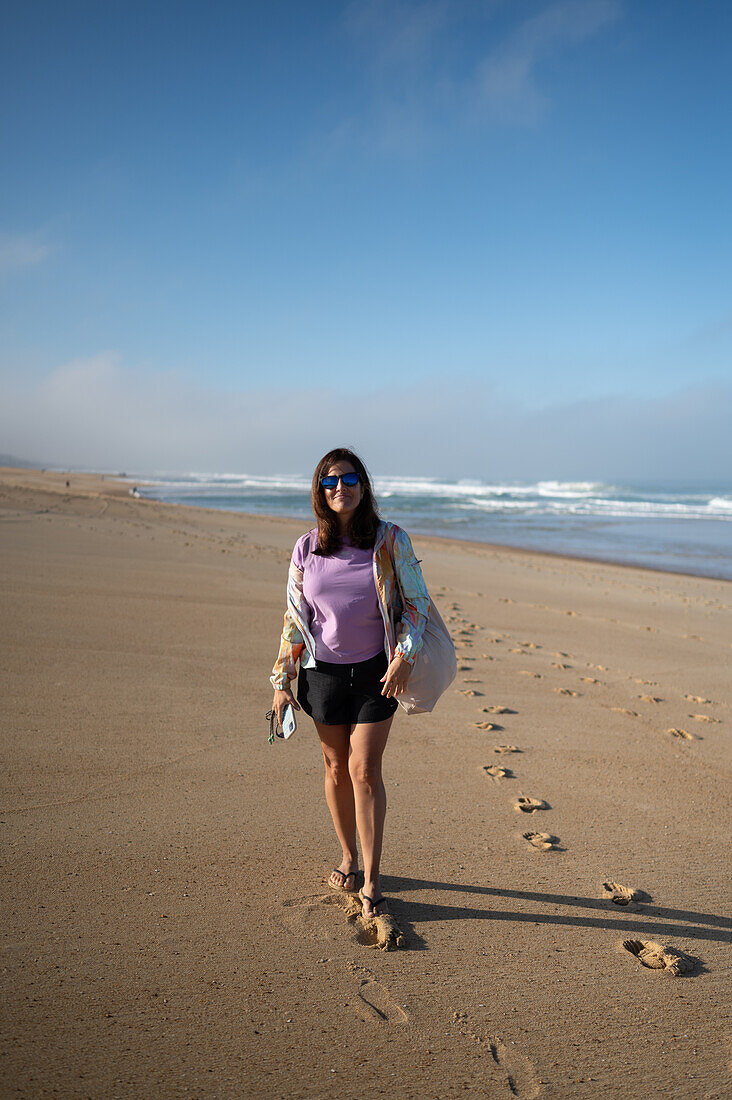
[435,666]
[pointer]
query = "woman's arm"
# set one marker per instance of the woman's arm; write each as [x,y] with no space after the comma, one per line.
[291,647]
[415,609]
[415,597]
[291,641]
[285,668]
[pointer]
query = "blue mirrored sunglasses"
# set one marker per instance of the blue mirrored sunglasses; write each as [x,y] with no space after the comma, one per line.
[331,480]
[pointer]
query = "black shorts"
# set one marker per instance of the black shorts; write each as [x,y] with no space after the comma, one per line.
[338,695]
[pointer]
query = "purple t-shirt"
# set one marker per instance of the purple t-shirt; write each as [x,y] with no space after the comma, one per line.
[345,618]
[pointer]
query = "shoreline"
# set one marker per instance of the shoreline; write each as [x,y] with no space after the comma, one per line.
[102,485]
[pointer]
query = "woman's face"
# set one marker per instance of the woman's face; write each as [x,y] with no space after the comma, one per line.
[344,499]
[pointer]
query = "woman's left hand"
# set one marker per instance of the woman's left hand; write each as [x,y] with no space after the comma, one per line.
[395,678]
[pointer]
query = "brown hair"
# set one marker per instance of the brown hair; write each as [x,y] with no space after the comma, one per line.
[364,521]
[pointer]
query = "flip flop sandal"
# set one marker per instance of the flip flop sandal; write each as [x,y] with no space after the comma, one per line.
[373,904]
[346,876]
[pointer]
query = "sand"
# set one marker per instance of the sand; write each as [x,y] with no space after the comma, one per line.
[561,879]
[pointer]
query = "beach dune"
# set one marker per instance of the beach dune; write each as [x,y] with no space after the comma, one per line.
[557,836]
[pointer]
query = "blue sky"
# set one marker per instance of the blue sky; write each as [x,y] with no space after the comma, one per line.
[321,207]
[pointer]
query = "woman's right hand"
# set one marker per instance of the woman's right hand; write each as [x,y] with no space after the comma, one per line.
[281,699]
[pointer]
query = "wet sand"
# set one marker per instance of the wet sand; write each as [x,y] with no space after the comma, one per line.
[167,929]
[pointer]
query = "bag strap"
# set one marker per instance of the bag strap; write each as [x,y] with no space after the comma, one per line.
[390,551]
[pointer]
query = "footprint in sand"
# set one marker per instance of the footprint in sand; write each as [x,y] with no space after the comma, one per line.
[506,748]
[498,710]
[617,894]
[307,915]
[696,699]
[495,772]
[624,710]
[566,691]
[521,1077]
[515,650]
[377,1004]
[543,842]
[469,692]
[558,664]
[650,699]
[467,681]
[518,1073]
[380,932]
[703,718]
[682,734]
[528,672]
[559,653]
[589,680]
[656,956]
[487,726]
[526,805]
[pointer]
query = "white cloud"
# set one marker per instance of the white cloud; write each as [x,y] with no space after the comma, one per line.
[420,92]
[18,251]
[398,35]
[99,413]
[506,81]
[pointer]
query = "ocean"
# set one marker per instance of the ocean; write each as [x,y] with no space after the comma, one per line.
[687,530]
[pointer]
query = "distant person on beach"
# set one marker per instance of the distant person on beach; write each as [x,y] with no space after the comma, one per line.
[342,597]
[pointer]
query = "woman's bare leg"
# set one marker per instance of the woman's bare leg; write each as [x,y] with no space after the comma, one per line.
[334,741]
[368,741]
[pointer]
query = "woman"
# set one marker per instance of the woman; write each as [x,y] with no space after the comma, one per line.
[356,642]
